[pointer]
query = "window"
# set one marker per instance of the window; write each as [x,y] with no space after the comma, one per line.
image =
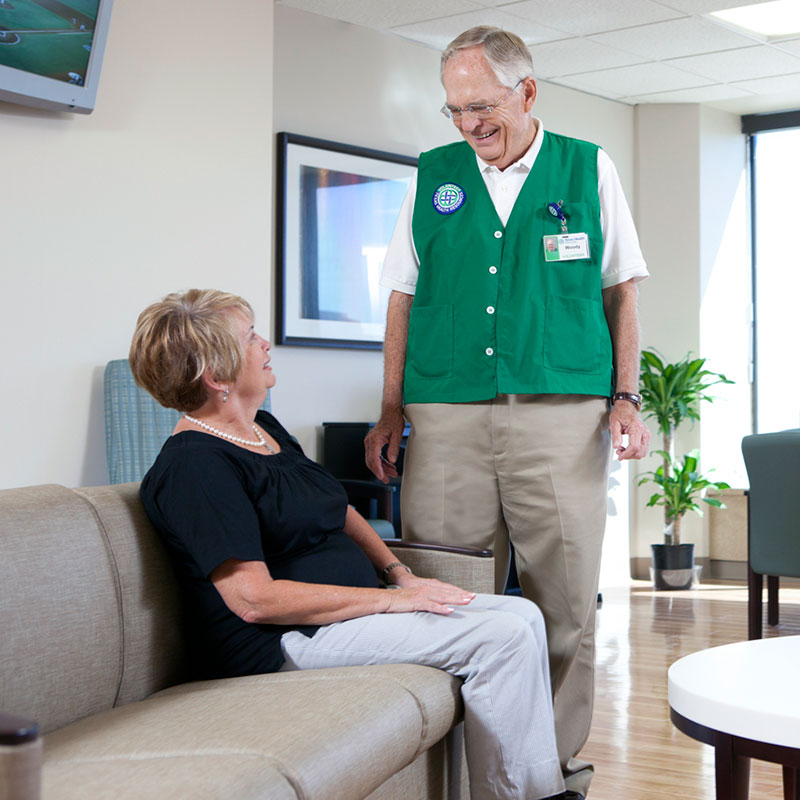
[775,175]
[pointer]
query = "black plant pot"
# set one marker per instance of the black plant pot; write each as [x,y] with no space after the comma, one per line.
[673,565]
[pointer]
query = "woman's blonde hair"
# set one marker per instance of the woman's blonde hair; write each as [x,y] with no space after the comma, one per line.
[180,337]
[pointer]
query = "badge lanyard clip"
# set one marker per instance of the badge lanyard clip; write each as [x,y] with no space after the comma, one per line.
[557,211]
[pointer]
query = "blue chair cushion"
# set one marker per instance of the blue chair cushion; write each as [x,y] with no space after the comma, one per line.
[136,424]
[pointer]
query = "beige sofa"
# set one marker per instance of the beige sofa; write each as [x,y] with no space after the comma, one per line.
[91,648]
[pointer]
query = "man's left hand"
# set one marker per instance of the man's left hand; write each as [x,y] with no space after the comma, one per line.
[624,418]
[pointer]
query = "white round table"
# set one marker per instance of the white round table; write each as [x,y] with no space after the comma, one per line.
[744,699]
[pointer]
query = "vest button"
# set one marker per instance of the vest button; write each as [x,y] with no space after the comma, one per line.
[489,351]
[498,234]
[493,270]
[490,309]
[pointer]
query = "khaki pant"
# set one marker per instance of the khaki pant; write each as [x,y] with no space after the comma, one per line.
[532,469]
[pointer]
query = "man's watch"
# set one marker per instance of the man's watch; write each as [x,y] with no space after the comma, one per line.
[631,397]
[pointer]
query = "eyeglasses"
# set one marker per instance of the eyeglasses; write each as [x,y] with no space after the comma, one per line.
[453,113]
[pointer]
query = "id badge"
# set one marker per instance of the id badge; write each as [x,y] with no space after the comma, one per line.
[566,246]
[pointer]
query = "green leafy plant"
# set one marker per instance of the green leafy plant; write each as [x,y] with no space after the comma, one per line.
[672,393]
[682,486]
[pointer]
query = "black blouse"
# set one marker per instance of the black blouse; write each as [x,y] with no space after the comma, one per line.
[212,501]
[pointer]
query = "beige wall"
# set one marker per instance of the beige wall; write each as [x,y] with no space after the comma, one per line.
[166,185]
[691,213]
[169,184]
[668,219]
[349,84]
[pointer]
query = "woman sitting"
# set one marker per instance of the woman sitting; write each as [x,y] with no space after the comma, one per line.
[279,573]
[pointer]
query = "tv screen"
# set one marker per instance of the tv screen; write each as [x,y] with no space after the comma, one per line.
[51,52]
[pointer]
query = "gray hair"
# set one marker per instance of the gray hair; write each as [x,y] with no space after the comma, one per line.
[506,53]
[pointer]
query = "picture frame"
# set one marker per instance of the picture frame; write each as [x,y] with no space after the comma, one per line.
[337,205]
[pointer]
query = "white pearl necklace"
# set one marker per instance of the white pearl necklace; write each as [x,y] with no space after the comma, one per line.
[262,442]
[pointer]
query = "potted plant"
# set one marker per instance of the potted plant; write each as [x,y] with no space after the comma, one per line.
[672,393]
[680,488]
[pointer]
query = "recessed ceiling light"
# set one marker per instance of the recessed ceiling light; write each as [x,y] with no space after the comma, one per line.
[774,20]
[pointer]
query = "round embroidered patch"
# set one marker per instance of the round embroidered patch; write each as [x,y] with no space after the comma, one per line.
[449,197]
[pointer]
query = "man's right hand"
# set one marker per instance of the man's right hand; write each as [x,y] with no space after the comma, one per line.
[388,430]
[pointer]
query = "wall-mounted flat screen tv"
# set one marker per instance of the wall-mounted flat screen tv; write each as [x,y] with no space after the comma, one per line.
[51,52]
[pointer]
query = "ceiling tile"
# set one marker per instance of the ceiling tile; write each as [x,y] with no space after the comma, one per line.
[583,17]
[632,51]
[760,61]
[573,82]
[439,32]
[570,56]
[781,83]
[792,46]
[675,38]
[635,80]
[701,94]
[707,6]
[381,14]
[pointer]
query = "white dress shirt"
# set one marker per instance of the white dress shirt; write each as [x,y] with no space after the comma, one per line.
[622,256]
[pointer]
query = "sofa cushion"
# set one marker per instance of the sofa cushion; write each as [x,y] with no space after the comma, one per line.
[209,776]
[60,623]
[332,733]
[153,648]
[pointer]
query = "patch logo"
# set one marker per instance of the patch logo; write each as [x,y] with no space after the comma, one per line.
[449,197]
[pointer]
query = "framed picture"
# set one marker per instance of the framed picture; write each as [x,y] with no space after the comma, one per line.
[336,210]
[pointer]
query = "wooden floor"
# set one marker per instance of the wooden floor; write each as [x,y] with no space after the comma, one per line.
[636,751]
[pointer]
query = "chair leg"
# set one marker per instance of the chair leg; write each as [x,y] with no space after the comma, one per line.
[385,510]
[755,587]
[772,599]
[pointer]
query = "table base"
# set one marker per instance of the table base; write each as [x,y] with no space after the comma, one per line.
[732,756]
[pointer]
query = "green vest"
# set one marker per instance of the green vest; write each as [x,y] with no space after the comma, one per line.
[490,315]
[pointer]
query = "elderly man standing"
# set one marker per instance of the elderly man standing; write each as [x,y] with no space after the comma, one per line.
[512,327]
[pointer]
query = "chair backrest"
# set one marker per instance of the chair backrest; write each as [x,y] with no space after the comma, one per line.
[136,425]
[773,467]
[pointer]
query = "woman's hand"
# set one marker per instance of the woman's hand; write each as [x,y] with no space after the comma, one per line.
[250,592]
[425,594]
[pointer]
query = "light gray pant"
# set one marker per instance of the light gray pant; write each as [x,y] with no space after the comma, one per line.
[497,645]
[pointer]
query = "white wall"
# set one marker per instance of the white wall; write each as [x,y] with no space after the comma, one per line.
[691,214]
[349,84]
[346,83]
[167,185]
[725,293]
[668,218]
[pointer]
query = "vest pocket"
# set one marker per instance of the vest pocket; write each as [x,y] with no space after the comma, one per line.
[573,335]
[430,341]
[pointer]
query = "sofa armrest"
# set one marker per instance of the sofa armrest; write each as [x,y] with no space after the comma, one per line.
[466,567]
[16,730]
[20,758]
